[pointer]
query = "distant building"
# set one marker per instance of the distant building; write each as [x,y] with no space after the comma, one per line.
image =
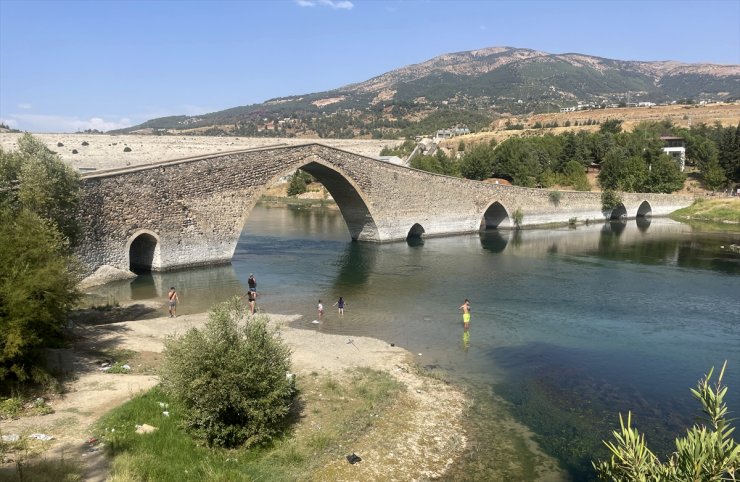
[676,148]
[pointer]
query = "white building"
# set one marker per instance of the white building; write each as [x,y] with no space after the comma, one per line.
[676,148]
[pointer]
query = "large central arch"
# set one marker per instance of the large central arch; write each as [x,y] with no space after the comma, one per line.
[350,200]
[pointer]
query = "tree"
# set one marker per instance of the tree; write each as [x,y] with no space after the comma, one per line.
[39,196]
[232,381]
[35,178]
[298,182]
[664,176]
[621,172]
[707,452]
[714,175]
[611,126]
[37,290]
[476,163]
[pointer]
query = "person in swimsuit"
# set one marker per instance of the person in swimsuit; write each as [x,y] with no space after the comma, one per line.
[172,300]
[465,307]
[252,282]
[320,307]
[340,305]
[252,300]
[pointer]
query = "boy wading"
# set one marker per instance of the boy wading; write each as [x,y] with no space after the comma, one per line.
[172,300]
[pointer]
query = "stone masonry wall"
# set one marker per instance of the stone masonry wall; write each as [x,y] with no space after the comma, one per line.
[196,208]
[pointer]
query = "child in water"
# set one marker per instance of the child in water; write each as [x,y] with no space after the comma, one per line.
[340,305]
[320,307]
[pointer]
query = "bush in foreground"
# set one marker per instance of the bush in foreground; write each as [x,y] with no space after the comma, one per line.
[707,452]
[230,379]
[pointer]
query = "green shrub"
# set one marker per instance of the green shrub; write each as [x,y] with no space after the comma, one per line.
[518,217]
[127,149]
[610,199]
[707,452]
[555,197]
[231,380]
[298,182]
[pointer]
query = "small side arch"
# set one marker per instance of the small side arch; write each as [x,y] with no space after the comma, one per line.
[142,252]
[495,217]
[644,210]
[416,232]
[619,212]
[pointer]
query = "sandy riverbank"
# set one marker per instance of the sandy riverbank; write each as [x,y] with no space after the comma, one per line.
[438,407]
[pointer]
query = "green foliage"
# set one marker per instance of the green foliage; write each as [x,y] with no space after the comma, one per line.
[517,216]
[36,179]
[402,150]
[664,176]
[230,379]
[610,199]
[575,175]
[477,162]
[555,197]
[611,126]
[37,290]
[713,174]
[298,182]
[439,163]
[11,407]
[360,399]
[708,452]
[127,149]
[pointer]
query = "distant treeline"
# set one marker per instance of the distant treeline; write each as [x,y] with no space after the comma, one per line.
[628,161]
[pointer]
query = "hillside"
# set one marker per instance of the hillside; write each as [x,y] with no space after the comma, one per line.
[469,88]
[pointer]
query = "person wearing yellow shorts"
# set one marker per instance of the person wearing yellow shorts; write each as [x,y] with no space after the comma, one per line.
[465,307]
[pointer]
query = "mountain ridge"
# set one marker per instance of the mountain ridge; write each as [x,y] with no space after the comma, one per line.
[470,86]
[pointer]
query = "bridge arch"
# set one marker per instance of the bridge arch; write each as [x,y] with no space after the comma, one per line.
[644,210]
[350,199]
[416,232]
[143,251]
[495,216]
[618,212]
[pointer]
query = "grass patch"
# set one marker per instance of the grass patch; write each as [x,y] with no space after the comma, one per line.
[726,210]
[16,406]
[329,414]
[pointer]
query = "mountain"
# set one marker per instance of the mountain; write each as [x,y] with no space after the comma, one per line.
[469,88]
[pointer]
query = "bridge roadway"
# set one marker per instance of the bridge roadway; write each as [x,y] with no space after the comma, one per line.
[190,212]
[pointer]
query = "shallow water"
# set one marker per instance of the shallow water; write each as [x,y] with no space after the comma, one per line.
[570,326]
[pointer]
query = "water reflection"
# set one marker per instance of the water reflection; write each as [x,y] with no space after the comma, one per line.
[492,240]
[356,264]
[643,223]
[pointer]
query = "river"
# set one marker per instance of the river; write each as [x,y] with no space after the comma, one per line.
[569,326]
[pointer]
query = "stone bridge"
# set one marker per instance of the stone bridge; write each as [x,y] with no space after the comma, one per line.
[190,212]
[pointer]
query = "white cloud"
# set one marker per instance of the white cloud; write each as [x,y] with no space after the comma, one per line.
[25,106]
[341,4]
[57,123]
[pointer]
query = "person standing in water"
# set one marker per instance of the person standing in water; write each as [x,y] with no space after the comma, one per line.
[172,300]
[320,308]
[465,307]
[252,282]
[340,305]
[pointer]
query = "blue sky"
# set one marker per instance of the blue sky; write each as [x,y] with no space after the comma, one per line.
[68,66]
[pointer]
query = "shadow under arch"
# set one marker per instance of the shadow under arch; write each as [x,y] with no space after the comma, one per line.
[619,212]
[415,233]
[142,251]
[495,217]
[349,199]
[643,223]
[644,210]
[493,241]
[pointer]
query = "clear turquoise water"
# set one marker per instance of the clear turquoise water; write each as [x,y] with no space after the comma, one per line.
[570,325]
